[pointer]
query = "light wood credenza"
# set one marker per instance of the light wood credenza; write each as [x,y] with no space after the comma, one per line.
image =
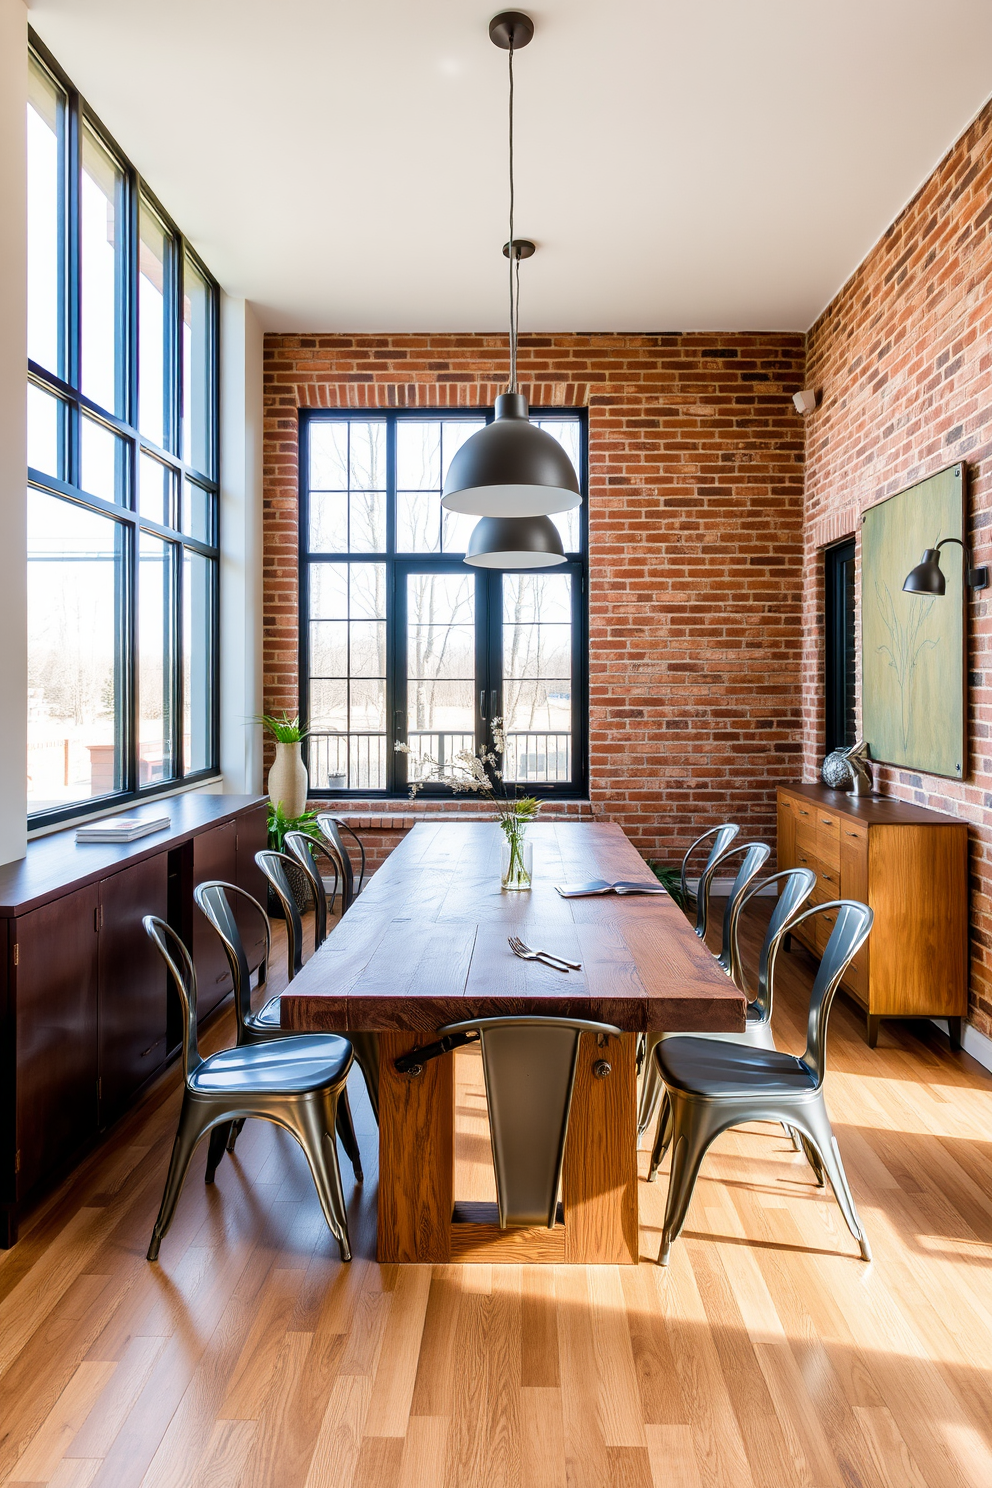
[910,866]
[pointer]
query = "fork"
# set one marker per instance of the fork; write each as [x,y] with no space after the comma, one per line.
[526,953]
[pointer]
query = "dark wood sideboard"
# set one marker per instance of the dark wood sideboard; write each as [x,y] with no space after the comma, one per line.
[910,866]
[87,1019]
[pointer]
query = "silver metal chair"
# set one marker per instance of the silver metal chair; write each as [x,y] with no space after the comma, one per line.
[698,895]
[529,1065]
[296,1083]
[756,855]
[307,852]
[273,865]
[213,899]
[332,827]
[713,1085]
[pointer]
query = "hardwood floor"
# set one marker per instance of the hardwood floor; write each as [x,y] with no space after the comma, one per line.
[767,1354]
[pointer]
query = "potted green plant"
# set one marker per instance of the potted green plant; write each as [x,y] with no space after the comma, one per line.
[279,825]
[287,781]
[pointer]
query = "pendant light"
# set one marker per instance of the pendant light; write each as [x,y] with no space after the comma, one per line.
[515,542]
[511,468]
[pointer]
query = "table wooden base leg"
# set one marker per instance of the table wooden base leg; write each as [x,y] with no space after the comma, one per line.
[416,1167]
[416,1156]
[599,1178]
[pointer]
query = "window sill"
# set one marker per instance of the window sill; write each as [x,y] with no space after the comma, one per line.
[399,816]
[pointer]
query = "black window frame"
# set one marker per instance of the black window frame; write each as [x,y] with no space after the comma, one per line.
[74,404]
[489,635]
[840,646]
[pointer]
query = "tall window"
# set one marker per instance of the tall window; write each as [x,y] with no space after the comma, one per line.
[122,473]
[400,640]
[841,655]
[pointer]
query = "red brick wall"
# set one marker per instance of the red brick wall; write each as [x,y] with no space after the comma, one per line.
[903,359]
[695,542]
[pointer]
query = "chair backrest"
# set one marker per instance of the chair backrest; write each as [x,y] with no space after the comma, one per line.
[796,885]
[272,865]
[756,855]
[305,850]
[213,899]
[722,836]
[332,827]
[851,930]
[529,1066]
[180,964]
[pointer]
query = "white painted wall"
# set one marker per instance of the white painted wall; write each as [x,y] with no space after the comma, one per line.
[13,429]
[241,546]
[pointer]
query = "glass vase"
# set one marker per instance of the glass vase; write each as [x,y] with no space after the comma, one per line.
[516,858]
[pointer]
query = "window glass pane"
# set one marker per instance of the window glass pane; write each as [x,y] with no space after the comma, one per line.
[329,522]
[424,450]
[329,455]
[46,201]
[46,432]
[198,588]
[347,669]
[197,362]
[154,314]
[537,676]
[568,433]
[418,521]
[102,460]
[154,490]
[366,456]
[418,455]
[101,252]
[156,650]
[198,506]
[75,582]
[440,666]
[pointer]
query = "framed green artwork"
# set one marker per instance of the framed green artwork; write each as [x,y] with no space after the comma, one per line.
[913,645]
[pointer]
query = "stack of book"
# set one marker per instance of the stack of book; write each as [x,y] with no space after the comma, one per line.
[121,828]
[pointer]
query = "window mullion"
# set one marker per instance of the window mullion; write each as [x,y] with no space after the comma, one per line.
[395,722]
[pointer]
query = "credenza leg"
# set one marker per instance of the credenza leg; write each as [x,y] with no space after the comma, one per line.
[954,1032]
[8,1226]
[873,1021]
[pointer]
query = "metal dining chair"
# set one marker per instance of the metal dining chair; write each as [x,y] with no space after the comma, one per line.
[697,896]
[713,1085]
[273,866]
[529,1066]
[332,827]
[755,855]
[213,899]
[306,851]
[296,1083]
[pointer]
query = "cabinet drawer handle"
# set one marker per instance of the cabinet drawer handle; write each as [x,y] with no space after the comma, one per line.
[145,1052]
[827,821]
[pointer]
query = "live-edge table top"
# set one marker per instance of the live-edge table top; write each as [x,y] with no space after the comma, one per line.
[426,942]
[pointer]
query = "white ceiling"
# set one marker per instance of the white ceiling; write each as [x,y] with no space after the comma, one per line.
[682,164]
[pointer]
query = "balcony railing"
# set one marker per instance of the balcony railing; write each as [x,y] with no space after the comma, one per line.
[357,761]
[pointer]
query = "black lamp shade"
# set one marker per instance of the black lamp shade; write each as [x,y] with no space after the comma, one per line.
[927,577]
[511,469]
[515,542]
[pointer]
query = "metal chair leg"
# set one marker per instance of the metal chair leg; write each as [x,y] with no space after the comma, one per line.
[813,1158]
[366,1047]
[663,1140]
[815,1123]
[693,1137]
[650,1085]
[346,1131]
[219,1138]
[235,1132]
[188,1134]
[313,1127]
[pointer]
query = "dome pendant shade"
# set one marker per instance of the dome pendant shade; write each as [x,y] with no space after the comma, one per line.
[511,469]
[515,542]
[927,577]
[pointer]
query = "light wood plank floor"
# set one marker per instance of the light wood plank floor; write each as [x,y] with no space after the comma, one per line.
[767,1354]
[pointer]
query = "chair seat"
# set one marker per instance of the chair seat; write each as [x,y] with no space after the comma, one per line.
[306,1062]
[704,1066]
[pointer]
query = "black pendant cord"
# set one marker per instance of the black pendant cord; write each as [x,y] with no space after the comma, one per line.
[514,279]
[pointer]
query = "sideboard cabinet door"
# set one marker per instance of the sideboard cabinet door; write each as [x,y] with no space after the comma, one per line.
[56,1013]
[215,855]
[253,836]
[132,983]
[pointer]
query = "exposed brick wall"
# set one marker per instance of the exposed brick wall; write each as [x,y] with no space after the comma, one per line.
[695,539]
[903,359]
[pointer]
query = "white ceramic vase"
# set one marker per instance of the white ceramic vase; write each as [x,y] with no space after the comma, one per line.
[288,780]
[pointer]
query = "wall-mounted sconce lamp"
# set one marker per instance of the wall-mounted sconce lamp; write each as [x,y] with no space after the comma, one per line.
[805,401]
[927,577]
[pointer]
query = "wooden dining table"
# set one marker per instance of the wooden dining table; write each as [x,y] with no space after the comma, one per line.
[426,944]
